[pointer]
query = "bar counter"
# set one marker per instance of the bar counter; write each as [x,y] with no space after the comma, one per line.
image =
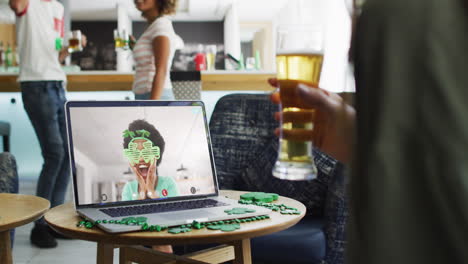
[87,81]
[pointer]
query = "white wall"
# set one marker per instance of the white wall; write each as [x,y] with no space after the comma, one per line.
[6,15]
[232,42]
[87,174]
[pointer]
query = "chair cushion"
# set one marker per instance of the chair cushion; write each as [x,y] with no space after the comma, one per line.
[8,173]
[302,243]
[8,179]
[245,150]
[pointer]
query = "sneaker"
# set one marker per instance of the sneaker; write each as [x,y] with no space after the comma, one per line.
[41,237]
[57,234]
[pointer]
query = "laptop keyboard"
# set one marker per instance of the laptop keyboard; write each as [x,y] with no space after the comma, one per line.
[161,208]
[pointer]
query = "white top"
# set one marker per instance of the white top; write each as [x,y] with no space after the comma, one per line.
[145,68]
[37,30]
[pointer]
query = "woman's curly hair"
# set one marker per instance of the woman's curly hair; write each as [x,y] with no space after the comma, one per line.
[166,7]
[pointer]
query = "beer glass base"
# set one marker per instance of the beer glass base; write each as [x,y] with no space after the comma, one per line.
[294,171]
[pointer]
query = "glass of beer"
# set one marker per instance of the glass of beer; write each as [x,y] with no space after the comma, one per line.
[299,59]
[121,39]
[210,57]
[74,41]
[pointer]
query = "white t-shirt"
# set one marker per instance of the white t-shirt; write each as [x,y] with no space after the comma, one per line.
[37,30]
[144,56]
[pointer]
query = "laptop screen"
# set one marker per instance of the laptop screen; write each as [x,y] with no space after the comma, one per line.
[133,151]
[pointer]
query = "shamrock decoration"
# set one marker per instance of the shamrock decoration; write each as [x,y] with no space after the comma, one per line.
[239,210]
[134,220]
[260,197]
[149,152]
[177,230]
[143,133]
[127,133]
[224,227]
[290,212]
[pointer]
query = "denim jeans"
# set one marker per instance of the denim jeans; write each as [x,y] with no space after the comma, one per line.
[166,95]
[44,103]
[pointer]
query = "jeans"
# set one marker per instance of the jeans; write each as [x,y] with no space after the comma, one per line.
[166,95]
[44,103]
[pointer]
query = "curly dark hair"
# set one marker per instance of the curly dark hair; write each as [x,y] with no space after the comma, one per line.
[155,136]
[166,7]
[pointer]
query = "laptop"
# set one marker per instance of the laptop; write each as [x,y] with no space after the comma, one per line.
[148,159]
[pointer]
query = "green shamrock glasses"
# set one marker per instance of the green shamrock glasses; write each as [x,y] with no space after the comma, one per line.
[148,153]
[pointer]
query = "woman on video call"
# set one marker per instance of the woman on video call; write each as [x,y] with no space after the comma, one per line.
[144,147]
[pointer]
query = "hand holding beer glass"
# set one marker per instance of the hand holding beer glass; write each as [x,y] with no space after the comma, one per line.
[121,39]
[75,41]
[299,60]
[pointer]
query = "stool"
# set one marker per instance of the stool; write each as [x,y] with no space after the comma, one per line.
[5,133]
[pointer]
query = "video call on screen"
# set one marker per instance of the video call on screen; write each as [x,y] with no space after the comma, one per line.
[139,153]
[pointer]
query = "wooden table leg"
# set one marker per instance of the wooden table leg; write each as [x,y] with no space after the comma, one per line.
[105,253]
[5,248]
[242,252]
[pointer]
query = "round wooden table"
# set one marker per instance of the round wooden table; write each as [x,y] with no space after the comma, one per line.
[17,210]
[64,219]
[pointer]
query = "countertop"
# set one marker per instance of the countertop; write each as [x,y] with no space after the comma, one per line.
[218,80]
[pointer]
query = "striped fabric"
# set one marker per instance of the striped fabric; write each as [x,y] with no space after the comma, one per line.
[144,58]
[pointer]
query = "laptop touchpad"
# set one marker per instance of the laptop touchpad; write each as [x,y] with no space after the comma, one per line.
[195,214]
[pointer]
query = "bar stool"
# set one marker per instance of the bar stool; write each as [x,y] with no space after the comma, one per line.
[5,133]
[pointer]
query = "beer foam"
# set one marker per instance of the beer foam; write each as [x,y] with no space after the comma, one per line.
[299,51]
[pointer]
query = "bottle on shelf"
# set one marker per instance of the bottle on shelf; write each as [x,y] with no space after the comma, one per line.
[16,59]
[8,56]
[258,64]
[2,55]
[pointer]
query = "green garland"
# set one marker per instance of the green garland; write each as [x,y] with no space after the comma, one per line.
[256,198]
[227,225]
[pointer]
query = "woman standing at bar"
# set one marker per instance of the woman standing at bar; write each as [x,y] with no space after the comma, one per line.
[154,51]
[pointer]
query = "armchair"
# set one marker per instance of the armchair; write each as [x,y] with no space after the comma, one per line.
[8,178]
[245,149]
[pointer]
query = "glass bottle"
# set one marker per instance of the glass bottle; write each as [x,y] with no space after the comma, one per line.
[8,56]
[16,59]
[2,55]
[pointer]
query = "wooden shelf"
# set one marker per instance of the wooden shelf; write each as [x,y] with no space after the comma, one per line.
[123,82]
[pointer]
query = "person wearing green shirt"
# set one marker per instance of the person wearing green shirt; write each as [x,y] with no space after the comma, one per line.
[409,185]
[144,147]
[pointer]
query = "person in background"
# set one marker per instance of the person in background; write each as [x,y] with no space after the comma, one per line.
[39,25]
[409,186]
[154,51]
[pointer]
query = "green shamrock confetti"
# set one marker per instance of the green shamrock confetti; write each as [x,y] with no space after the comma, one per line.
[239,210]
[177,230]
[224,227]
[260,197]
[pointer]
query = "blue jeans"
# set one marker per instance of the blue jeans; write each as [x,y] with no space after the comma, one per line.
[44,103]
[166,95]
